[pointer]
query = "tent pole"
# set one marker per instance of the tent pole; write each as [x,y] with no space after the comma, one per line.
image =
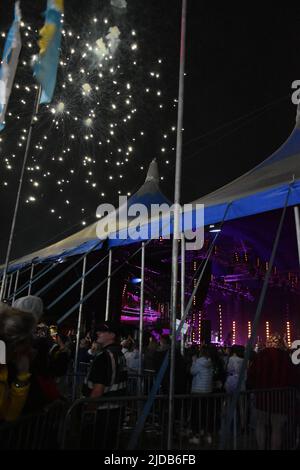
[141,324]
[16,286]
[297,223]
[10,285]
[2,281]
[182,290]
[177,201]
[92,292]
[65,271]
[72,286]
[18,198]
[36,277]
[76,365]
[30,279]
[108,286]
[4,287]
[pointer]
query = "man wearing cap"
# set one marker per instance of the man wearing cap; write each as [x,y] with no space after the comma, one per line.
[108,378]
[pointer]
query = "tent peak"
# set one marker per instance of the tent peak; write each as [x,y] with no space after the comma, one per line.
[153,174]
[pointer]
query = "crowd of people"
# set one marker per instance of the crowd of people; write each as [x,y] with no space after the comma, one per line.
[38,358]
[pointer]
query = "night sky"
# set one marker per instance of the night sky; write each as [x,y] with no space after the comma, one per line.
[241,62]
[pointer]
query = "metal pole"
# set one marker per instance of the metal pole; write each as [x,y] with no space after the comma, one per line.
[176,223]
[10,285]
[37,277]
[98,286]
[3,287]
[30,279]
[141,325]
[182,288]
[18,198]
[79,328]
[108,286]
[297,222]
[235,430]
[16,286]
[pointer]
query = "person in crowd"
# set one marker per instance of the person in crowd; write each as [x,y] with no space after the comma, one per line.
[132,360]
[59,355]
[189,355]
[234,366]
[31,304]
[94,350]
[180,378]
[87,352]
[271,369]
[16,328]
[60,360]
[158,358]
[295,358]
[150,350]
[43,390]
[132,356]
[42,331]
[83,353]
[180,366]
[49,359]
[225,355]
[107,378]
[202,372]
[202,384]
[219,373]
[127,348]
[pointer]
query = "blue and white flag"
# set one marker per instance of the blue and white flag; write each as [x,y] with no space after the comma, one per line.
[12,49]
[45,68]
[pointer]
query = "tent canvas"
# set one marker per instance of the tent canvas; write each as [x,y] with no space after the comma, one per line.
[89,238]
[262,189]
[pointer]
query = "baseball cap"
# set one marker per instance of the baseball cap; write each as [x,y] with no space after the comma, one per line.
[110,327]
[31,304]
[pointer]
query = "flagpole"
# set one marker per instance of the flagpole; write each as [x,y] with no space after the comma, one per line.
[176,233]
[18,198]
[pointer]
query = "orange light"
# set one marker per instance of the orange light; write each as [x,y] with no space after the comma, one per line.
[288,334]
[220,324]
[249,329]
[234,332]
[267,330]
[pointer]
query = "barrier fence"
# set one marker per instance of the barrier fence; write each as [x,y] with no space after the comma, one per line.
[66,383]
[266,419]
[41,431]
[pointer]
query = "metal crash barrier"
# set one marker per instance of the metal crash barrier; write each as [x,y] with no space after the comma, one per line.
[266,419]
[41,431]
[147,380]
[262,420]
